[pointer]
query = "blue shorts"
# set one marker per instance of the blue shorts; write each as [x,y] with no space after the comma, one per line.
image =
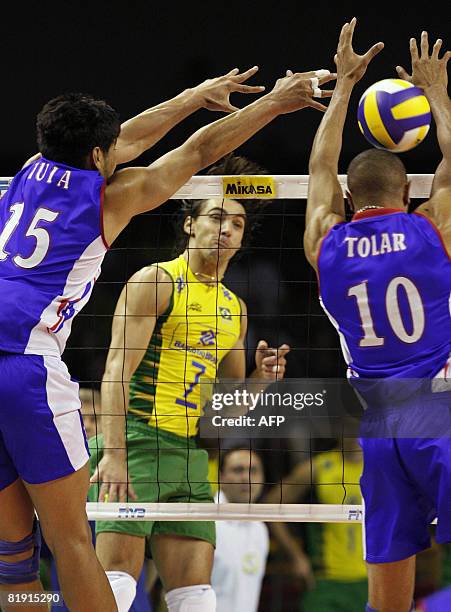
[42,437]
[406,482]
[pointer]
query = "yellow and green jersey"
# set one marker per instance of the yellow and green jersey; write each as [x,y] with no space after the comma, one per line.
[198,329]
[337,548]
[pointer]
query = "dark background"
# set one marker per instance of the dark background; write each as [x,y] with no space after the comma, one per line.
[137,54]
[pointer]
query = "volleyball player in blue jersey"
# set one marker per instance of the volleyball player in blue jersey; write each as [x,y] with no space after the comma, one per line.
[57,219]
[385,282]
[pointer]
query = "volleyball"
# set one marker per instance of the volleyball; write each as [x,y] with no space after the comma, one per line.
[394,115]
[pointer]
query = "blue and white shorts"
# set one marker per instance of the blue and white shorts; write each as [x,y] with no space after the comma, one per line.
[406,480]
[42,436]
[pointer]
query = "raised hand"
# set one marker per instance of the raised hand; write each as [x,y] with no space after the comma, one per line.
[349,64]
[270,362]
[297,90]
[427,70]
[215,93]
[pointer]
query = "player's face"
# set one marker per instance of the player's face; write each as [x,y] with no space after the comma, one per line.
[242,476]
[219,228]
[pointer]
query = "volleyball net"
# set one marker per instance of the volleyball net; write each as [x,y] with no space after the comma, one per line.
[280,290]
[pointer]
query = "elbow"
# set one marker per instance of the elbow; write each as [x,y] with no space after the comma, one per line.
[114,369]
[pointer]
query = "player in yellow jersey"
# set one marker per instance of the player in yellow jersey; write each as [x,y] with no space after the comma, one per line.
[338,582]
[177,322]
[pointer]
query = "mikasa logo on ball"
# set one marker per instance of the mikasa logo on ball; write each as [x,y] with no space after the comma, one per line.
[394,115]
[248,187]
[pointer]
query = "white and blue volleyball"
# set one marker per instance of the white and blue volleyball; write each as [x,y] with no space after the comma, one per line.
[394,115]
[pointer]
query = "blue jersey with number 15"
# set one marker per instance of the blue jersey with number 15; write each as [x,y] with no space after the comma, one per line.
[385,283]
[51,249]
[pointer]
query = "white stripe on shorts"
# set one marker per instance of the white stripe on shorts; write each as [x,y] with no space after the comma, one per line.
[363,530]
[64,402]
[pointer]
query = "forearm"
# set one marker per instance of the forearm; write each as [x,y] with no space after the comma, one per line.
[440,103]
[289,544]
[219,138]
[115,397]
[143,131]
[327,145]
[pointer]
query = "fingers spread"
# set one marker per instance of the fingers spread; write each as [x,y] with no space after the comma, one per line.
[326,93]
[375,49]
[351,29]
[249,88]
[424,44]
[344,29]
[240,78]
[332,76]
[317,105]
[227,108]
[403,73]
[413,49]
[436,48]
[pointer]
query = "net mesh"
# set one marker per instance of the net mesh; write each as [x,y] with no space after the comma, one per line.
[280,290]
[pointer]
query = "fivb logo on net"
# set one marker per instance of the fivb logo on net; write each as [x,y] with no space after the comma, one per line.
[249,400]
[4,184]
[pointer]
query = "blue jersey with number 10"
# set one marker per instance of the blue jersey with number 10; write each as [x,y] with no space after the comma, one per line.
[51,249]
[385,283]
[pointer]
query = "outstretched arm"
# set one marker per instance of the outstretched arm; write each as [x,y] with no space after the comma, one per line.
[136,190]
[143,131]
[325,204]
[430,73]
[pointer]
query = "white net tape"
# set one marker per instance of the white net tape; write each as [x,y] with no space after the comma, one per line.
[183,511]
[286,186]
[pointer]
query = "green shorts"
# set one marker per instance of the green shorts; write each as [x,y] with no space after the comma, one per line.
[167,468]
[336,596]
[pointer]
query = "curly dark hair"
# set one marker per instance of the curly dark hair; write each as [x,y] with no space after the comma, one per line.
[230,165]
[70,126]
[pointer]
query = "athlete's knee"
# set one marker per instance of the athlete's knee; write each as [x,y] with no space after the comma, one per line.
[196,598]
[25,570]
[120,553]
[124,589]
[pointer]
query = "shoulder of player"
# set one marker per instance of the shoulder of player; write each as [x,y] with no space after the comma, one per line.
[438,207]
[150,285]
[321,222]
[31,160]
[243,317]
[243,305]
[437,211]
[125,178]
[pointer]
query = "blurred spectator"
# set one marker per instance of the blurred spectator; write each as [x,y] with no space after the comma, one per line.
[331,561]
[241,546]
